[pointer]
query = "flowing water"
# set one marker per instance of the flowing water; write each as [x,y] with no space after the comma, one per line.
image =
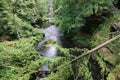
[50,10]
[51,33]
[49,51]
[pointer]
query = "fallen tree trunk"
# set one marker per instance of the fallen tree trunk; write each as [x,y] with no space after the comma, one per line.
[90,51]
[96,48]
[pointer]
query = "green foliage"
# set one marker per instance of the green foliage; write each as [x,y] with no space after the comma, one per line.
[24,9]
[4,16]
[83,70]
[83,41]
[42,5]
[71,13]
[66,71]
[114,74]
[108,58]
[63,73]
[19,59]
[16,17]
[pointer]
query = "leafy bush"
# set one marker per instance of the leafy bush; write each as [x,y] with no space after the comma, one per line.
[19,59]
[16,17]
[71,13]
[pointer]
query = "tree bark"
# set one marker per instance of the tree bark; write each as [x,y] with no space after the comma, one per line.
[91,51]
[96,48]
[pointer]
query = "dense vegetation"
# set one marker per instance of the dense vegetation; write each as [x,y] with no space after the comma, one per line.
[85,24]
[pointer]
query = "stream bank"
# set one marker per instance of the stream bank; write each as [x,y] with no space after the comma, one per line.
[85,38]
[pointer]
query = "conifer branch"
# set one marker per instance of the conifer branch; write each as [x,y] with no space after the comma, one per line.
[90,51]
[13,15]
[96,48]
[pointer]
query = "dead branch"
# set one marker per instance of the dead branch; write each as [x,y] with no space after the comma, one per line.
[90,51]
